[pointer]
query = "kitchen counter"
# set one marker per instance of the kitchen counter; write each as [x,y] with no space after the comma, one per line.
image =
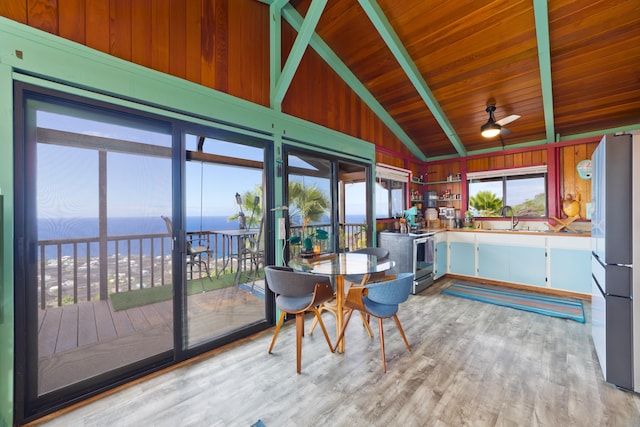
[516,231]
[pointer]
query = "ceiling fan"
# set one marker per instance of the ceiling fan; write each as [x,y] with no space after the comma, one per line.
[495,127]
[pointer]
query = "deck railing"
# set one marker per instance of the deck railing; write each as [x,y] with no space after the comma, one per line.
[89,269]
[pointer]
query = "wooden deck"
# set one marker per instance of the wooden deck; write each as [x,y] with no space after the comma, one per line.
[82,340]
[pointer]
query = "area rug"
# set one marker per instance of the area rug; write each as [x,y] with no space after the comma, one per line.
[565,308]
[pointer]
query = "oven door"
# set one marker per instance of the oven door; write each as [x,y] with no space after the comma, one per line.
[423,259]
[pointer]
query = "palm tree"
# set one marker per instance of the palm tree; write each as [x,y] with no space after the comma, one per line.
[485,203]
[307,202]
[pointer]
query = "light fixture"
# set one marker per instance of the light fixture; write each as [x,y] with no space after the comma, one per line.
[491,128]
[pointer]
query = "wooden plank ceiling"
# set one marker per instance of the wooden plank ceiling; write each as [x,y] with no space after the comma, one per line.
[570,69]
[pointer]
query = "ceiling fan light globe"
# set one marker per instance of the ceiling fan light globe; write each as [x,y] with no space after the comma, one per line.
[489,130]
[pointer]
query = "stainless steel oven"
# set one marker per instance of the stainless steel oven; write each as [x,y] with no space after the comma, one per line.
[423,259]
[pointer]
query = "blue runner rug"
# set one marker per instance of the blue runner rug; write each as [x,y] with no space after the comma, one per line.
[528,301]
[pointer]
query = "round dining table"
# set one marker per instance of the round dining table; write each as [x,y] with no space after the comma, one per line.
[338,266]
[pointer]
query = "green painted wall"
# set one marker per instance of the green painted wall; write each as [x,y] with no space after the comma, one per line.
[6,254]
[69,67]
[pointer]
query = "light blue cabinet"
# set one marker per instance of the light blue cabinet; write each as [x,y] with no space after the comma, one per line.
[546,261]
[527,265]
[462,259]
[493,262]
[571,270]
[441,259]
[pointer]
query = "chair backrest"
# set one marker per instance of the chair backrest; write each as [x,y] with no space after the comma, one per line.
[286,281]
[169,225]
[256,241]
[381,253]
[167,222]
[392,291]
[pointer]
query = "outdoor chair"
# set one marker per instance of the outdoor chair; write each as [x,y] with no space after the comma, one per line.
[382,255]
[252,251]
[379,300]
[297,293]
[194,252]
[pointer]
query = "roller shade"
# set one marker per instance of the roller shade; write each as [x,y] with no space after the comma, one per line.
[391,172]
[497,173]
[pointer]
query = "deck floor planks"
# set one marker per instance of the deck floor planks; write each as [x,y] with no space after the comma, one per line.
[68,334]
[87,332]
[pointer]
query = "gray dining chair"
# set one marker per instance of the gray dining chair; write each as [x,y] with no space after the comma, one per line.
[297,293]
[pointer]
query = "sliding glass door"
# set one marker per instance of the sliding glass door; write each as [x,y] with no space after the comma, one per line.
[139,243]
[329,205]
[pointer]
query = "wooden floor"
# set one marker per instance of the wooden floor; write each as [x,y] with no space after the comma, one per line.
[472,364]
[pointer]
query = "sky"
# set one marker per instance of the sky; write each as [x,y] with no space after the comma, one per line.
[140,185]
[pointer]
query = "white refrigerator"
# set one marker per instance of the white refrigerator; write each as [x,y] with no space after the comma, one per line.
[614,217]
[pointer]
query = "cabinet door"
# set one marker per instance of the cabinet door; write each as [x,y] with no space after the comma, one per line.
[441,260]
[570,270]
[493,262]
[462,258]
[527,265]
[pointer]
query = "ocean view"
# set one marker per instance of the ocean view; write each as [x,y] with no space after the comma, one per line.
[83,228]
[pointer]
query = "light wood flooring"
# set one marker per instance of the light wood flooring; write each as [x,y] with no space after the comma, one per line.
[472,364]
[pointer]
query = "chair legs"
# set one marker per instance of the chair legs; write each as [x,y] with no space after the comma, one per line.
[381,329]
[395,317]
[300,334]
[275,334]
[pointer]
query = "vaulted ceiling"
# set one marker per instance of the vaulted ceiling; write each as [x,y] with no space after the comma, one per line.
[569,69]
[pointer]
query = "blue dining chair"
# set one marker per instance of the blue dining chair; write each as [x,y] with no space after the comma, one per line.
[297,293]
[379,300]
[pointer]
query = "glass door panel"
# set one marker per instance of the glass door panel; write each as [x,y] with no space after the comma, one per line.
[354,207]
[309,192]
[224,219]
[99,291]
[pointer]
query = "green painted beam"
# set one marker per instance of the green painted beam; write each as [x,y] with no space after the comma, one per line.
[299,46]
[295,20]
[275,51]
[541,14]
[392,40]
[601,132]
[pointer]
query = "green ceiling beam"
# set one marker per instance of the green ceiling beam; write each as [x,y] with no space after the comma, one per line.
[275,48]
[295,20]
[541,14]
[307,29]
[392,40]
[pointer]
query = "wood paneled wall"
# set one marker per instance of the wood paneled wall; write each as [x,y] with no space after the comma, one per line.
[319,95]
[566,156]
[220,44]
[505,161]
[570,182]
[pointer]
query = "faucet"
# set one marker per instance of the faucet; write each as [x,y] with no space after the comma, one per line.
[514,220]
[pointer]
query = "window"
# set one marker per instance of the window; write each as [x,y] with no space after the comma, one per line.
[523,189]
[391,190]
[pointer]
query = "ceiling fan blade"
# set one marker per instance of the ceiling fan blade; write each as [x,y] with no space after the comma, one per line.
[504,132]
[508,119]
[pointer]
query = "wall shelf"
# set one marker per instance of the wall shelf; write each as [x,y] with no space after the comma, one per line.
[442,182]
